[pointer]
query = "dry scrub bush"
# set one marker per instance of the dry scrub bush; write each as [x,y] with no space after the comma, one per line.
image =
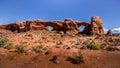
[93,45]
[5,43]
[77,58]
[20,49]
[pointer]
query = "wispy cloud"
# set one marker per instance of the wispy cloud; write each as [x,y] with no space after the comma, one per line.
[105,30]
[114,30]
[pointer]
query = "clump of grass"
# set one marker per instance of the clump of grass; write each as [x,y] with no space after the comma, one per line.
[5,43]
[37,48]
[9,46]
[93,45]
[111,48]
[77,58]
[20,49]
[78,34]
[117,42]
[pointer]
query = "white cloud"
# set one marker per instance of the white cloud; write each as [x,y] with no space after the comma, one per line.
[116,30]
[105,30]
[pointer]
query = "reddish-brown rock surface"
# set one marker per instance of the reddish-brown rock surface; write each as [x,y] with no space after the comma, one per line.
[109,32]
[34,25]
[96,26]
[67,26]
[70,25]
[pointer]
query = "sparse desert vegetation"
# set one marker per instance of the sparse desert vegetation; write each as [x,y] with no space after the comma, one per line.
[45,48]
[93,45]
[4,42]
[31,44]
[20,49]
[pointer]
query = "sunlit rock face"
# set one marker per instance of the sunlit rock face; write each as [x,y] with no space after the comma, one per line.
[96,26]
[34,25]
[67,26]
[70,26]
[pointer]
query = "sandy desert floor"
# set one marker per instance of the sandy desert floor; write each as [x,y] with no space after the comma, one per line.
[50,49]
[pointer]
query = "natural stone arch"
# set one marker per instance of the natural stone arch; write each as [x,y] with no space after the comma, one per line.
[85,24]
[67,26]
[57,25]
[81,28]
[82,24]
[50,28]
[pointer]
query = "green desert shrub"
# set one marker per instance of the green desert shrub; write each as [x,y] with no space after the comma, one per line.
[77,58]
[37,48]
[20,49]
[9,46]
[111,48]
[117,42]
[5,43]
[93,45]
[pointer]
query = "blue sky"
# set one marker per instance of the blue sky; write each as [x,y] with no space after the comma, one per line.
[16,10]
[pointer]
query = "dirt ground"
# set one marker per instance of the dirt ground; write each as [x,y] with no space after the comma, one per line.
[56,48]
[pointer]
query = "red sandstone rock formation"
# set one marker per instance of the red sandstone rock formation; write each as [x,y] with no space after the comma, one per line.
[21,25]
[57,25]
[109,32]
[86,29]
[96,26]
[3,29]
[13,27]
[68,25]
[34,25]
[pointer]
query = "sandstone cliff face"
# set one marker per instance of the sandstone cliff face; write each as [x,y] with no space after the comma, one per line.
[96,26]
[67,26]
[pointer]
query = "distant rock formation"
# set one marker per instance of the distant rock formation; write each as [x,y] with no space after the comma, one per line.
[87,28]
[109,32]
[68,25]
[96,26]
[34,25]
